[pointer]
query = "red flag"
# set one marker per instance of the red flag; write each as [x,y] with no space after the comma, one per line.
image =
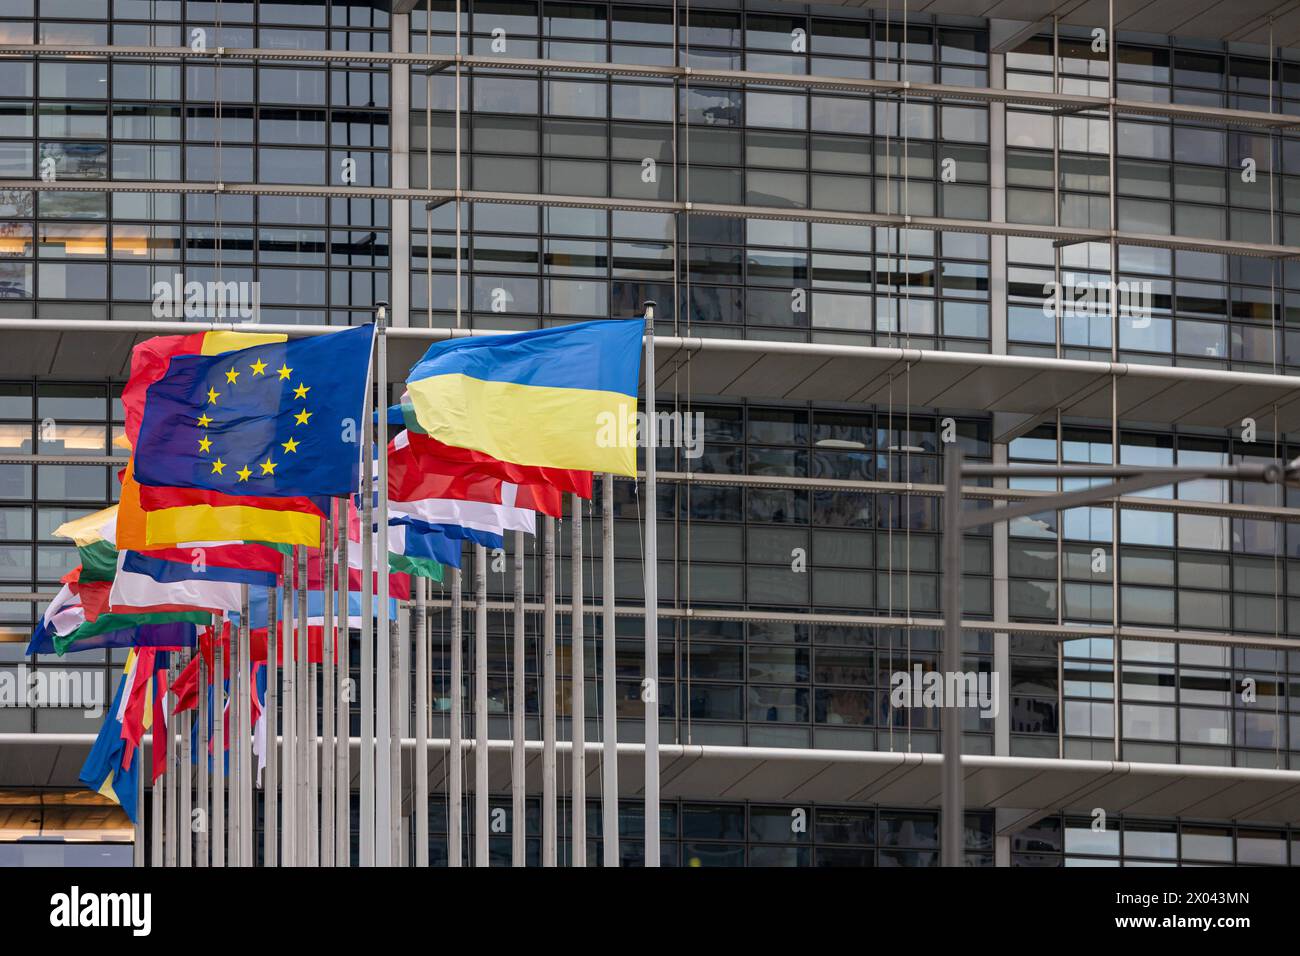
[429,456]
[160,730]
[409,481]
[149,361]
[154,498]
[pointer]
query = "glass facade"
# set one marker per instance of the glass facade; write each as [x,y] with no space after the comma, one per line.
[789,512]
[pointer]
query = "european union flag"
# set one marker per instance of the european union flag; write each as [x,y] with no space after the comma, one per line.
[276,420]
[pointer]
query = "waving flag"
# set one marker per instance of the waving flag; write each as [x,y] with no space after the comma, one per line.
[556,398]
[426,456]
[64,629]
[143,529]
[275,420]
[104,771]
[151,358]
[141,589]
[407,481]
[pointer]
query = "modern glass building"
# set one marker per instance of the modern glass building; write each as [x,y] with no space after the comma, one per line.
[871,233]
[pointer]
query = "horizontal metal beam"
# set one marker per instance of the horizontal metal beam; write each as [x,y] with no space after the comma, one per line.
[1068,234]
[813,83]
[807,776]
[796,483]
[1058,632]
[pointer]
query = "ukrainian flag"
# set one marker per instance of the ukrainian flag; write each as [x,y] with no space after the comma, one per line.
[555,398]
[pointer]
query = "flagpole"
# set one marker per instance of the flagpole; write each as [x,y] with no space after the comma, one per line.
[271,780]
[327,695]
[248,773]
[517,813]
[219,753]
[394,733]
[455,771]
[549,845]
[234,843]
[170,831]
[421,808]
[289,714]
[367,694]
[156,801]
[186,782]
[480,708]
[205,821]
[577,695]
[383,725]
[137,850]
[343,737]
[608,671]
[307,852]
[650,675]
[311,752]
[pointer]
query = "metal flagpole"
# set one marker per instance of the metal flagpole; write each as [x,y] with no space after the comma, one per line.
[395,732]
[271,778]
[156,811]
[218,753]
[311,753]
[186,782]
[421,807]
[289,717]
[549,836]
[366,694]
[455,771]
[383,725]
[517,824]
[608,673]
[170,832]
[245,731]
[307,847]
[343,678]
[204,804]
[137,850]
[951,842]
[650,675]
[577,696]
[234,803]
[326,758]
[480,708]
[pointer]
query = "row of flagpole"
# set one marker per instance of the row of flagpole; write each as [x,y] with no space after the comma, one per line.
[207,818]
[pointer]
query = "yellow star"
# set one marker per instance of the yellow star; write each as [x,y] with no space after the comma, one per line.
[290,445]
[244,472]
[284,371]
[301,391]
[217,466]
[258,367]
[301,417]
[204,421]
[213,395]
[268,466]
[232,376]
[205,444]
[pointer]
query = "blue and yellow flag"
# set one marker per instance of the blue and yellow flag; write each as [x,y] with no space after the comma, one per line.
[274,420]
[554,398]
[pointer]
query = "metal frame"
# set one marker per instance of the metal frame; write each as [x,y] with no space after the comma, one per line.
[1065,235]
[1066,102]
[957,521]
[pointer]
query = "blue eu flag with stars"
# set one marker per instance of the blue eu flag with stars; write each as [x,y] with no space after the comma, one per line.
[279,420]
